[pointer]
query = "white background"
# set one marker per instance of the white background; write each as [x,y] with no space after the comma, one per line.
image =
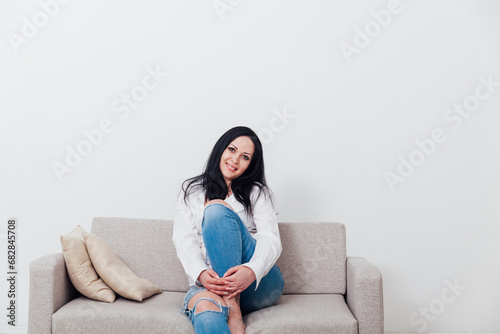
[348,122]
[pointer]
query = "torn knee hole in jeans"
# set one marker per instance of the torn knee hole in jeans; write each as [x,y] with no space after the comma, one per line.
[218,303]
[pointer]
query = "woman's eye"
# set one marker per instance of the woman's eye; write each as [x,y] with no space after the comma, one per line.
[231,149]
[246,158]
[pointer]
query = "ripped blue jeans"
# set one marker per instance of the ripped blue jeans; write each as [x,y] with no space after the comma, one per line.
[229,243]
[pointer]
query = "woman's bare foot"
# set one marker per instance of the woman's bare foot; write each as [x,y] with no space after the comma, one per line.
[235,319]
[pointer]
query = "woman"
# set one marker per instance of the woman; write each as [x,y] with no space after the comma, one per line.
[226,236]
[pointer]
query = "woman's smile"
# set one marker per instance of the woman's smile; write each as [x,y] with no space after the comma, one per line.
[231,168]
[236,158]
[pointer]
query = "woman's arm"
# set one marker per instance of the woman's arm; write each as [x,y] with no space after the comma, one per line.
[186,239]
[268,248]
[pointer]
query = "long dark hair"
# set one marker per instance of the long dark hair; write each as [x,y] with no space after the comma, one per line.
[212,181]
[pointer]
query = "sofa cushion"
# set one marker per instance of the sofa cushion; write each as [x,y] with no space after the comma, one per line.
[149,252]
[325,313]
[115,273]
[80,269]
[158,314]
[313,258]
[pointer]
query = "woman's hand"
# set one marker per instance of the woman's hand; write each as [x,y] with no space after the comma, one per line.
[212,282]
[237,279]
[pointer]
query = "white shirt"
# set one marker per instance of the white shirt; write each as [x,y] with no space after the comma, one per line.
[263,226]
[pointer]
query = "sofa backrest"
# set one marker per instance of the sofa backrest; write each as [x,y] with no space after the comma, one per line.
[313,258]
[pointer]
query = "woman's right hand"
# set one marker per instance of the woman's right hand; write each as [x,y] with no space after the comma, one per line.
[212,282]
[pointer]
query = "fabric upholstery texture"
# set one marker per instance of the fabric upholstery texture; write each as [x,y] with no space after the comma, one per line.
[148,251]
[80,269]
[306,250]
[313,257]
[115,273]
[365,295]
[309,313]
[160,314]
[157,314]
[325,292]
[50,288]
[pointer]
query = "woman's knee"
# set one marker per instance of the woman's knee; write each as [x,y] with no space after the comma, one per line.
[206,305]
[218,201]
[214,213]
[210,302]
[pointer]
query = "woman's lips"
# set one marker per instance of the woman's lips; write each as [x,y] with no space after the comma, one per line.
[231,169]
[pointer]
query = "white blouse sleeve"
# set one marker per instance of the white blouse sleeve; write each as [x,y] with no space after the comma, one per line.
[186,239]
[268,247]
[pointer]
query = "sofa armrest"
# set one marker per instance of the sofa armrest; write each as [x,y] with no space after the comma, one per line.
[50,288]
[365,295]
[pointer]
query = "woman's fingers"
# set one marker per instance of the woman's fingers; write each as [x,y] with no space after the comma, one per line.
[215,281]
[213,284]
[232,270]
[234,289]
[238,279]
[234,294]
[216,289]
[211,276]
[234,281]
[212,273]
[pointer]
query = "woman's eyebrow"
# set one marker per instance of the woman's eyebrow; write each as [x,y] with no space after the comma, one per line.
[243,152]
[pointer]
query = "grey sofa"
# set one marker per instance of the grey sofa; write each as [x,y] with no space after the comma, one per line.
[325,292]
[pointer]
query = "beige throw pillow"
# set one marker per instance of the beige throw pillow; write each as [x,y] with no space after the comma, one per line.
[115,273]
[80,270]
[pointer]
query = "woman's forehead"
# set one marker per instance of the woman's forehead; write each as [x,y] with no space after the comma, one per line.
[244,144]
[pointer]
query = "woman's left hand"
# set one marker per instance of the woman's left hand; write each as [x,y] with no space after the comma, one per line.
[238,278]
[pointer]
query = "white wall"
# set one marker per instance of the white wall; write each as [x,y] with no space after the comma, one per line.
[348,120]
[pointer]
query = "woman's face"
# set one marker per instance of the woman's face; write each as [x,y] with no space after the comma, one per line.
[236,158]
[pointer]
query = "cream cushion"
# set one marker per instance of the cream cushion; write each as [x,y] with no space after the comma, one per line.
[80,269]
[115,273]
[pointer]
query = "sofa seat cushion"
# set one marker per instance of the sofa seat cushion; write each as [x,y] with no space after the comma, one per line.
[325,313]
[157,314]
